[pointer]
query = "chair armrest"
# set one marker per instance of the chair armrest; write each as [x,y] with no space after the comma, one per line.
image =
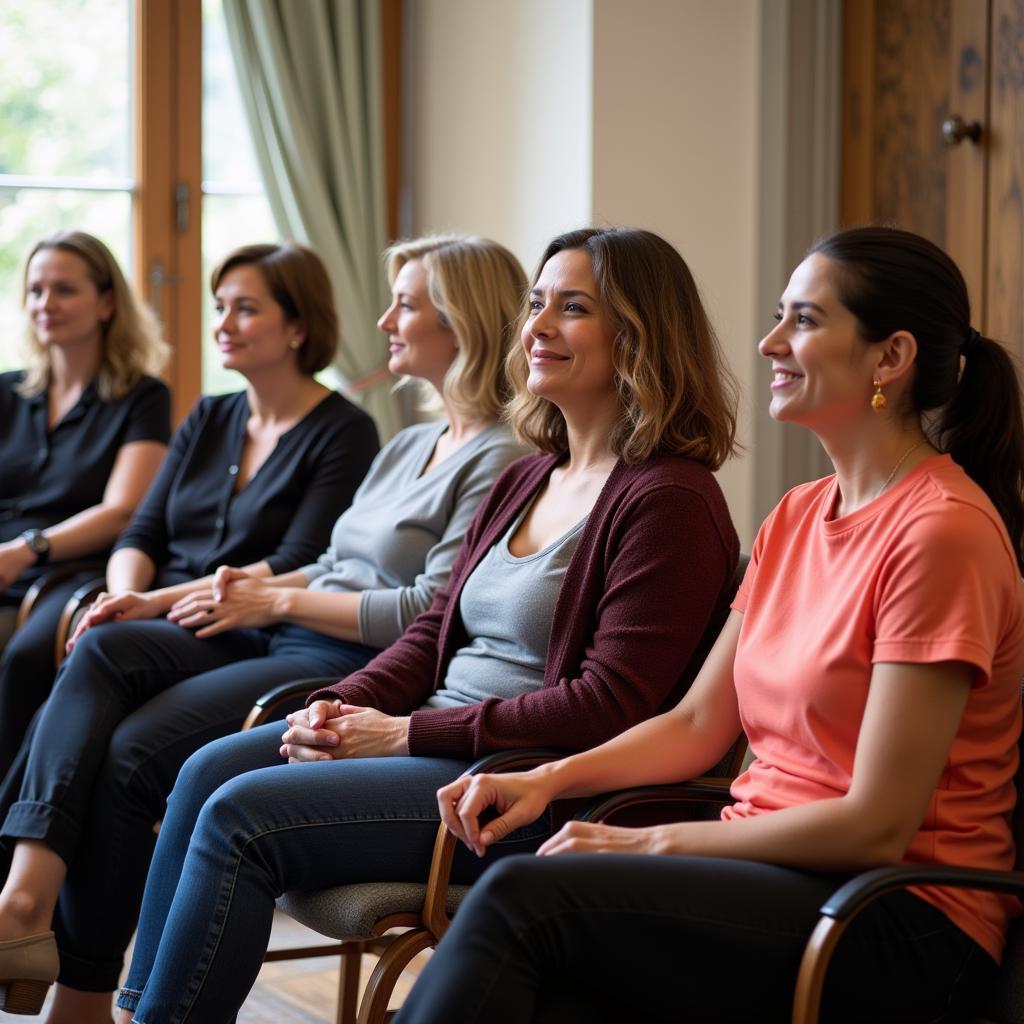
[75,605]
[842,907]
[50,579]
[853,896]
[704,789]
[435,917]
[266,706]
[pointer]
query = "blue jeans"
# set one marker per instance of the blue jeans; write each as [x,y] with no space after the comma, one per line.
[597,939]
[260,827]
[133,701]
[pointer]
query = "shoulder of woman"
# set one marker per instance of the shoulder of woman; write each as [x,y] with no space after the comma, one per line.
[146,387]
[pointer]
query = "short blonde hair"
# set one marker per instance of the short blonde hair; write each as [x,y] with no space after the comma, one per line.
[478,287]
[298,280]
[132,343]
[676,393]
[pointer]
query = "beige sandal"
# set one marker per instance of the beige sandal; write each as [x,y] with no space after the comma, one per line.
[28,967]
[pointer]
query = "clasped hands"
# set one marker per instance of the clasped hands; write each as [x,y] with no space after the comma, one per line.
[235,600]
[520,798]
[331,730]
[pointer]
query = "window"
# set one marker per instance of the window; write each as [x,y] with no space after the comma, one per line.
[65,137]
[100,121]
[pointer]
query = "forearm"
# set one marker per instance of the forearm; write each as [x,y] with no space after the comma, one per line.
[664,749]
[295,578]
[167,596]
[88,532]
[129,569]
[323,611]
[824,835]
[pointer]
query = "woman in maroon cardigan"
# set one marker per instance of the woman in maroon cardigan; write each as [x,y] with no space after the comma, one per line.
[574,610]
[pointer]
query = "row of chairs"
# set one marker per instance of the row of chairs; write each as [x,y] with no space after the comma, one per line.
[362,918]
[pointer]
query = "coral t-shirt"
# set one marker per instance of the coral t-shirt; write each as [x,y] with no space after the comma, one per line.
[925,573]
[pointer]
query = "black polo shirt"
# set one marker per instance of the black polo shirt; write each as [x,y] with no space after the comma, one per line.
[192,521]
[46,475]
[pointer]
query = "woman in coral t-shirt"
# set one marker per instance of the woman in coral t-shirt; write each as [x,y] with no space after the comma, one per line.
[873,657]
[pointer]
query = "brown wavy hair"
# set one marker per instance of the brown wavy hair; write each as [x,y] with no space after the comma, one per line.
[676,393]
[132,342]
[298,280]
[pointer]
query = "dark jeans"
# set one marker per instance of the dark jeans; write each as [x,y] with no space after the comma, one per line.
[27,668]
[242,828]
[595,938]
[130,705]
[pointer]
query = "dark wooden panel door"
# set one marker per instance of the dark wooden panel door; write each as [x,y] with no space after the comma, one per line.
[909,66]
[1005,278]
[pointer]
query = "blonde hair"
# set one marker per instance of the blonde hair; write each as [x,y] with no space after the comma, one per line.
[676,393]
[478,287]
[132,342]
[298,280]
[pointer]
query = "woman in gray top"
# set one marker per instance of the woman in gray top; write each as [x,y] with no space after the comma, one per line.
[447,327]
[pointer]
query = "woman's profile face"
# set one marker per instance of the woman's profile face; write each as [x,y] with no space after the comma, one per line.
[250,327]
[420,343]
[821,368]
[62,303]
[568,336]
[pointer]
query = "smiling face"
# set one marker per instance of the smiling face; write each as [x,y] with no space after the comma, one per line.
[420,343]
[250,327]
[568,336]
[821,367]
[63,304]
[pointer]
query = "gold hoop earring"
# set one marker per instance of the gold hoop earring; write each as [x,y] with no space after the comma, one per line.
[877,399]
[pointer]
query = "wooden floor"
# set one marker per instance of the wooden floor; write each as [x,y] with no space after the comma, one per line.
[305,991]
[298,991]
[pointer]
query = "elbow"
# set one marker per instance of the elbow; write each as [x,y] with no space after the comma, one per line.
[120,517]
[879,844]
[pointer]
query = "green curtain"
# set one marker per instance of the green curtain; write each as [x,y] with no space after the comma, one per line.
[310,77]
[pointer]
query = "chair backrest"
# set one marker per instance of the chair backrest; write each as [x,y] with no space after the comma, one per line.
[1006,1005]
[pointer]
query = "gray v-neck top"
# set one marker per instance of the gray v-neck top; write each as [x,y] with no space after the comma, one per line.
[397,541]
[506,606]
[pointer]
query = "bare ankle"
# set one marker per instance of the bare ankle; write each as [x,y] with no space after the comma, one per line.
[72,1006]
[22,913]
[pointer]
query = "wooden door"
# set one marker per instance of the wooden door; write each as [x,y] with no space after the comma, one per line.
[908,67]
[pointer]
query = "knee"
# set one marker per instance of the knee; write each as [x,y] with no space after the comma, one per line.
[231,814]
[506,881]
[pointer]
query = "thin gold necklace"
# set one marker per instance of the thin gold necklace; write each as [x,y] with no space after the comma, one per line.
[895,469]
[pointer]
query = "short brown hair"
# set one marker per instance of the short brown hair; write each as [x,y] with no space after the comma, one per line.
[132,343]
[478,286]
[676,393]
[301,286]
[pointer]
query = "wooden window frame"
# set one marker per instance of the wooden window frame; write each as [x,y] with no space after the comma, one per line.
[167,211]
[168,202]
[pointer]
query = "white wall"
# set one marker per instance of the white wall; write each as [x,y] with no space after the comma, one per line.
[534,116]
[501,132]
[676,106]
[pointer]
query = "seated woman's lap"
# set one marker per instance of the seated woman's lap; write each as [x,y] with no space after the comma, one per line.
[680,938]
[242,827]
[146,752]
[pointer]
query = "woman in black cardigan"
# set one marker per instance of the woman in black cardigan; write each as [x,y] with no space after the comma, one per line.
[254,479]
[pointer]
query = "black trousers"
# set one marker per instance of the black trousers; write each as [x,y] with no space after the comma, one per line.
[600,938]
[130,705]
[27,668]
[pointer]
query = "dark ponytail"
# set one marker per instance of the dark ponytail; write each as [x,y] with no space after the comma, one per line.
[982,429]
[893,280]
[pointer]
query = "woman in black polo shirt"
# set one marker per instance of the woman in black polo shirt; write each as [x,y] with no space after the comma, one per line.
[82,431]
[255,478]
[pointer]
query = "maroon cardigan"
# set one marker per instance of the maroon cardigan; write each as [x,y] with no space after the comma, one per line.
[653,564]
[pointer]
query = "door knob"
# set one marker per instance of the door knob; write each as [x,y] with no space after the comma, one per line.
[955,129]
